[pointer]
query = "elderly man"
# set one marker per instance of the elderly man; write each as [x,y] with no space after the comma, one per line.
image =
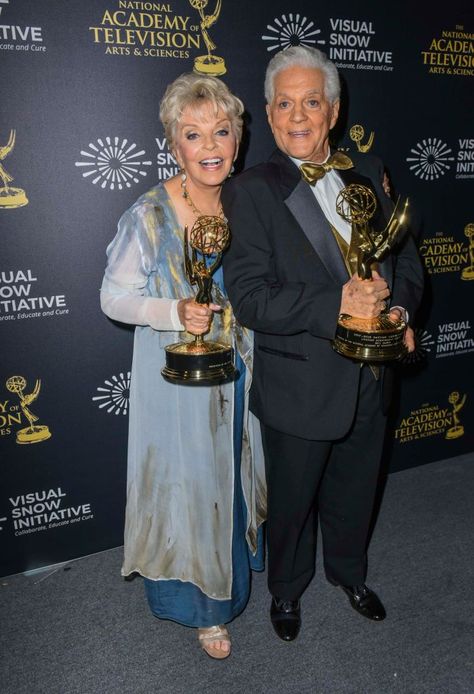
[322,414]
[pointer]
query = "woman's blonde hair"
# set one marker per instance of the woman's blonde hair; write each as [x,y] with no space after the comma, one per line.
[191,89]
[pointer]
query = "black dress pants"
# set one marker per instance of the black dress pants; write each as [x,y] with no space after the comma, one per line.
[336,480]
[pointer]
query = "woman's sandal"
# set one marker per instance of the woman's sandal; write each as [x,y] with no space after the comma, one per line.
[208,637]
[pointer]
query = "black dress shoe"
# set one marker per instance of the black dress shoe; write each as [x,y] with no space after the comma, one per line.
[365,602]
[286,618]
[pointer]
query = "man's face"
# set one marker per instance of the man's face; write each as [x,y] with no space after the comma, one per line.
[300,116]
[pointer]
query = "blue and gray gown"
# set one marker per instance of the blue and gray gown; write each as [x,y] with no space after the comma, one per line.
[196,484]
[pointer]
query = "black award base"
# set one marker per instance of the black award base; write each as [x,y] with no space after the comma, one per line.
[206,364]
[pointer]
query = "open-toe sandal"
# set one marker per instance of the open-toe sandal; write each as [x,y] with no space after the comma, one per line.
[208,637]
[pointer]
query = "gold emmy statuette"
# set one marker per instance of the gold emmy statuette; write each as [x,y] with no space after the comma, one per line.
[33,433]
[368,339]
[356,133]
[201,363]
[457,429]
[208,64]
[10,197]
[468,272]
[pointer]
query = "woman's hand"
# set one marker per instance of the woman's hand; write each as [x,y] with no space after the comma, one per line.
[196,318]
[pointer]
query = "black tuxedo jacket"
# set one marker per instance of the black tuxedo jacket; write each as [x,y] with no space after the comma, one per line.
[284,275]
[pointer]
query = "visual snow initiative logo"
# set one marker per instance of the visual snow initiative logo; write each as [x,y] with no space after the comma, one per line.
[431,159]
[113,163]
[292,30]
[423,343]
[114,394]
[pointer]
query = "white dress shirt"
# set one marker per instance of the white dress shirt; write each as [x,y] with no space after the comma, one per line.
[326,191]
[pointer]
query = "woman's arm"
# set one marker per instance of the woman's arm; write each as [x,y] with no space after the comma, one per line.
[131,258]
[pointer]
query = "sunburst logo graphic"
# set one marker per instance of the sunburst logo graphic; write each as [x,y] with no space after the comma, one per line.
[112,163]
[292,30]
[430,159]
[423,344]
[113,396]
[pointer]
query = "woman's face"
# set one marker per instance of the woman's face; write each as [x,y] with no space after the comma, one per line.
[205,145]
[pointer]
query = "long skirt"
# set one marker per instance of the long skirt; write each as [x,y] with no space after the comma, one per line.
[184,602]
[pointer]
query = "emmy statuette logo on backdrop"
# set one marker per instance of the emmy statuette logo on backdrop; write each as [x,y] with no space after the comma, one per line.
[208,64]
[356,133]
[468,272]
[457,403]
[33,433]
[368,339]
[10,197]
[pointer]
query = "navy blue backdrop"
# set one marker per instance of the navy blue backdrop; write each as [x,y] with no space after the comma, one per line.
[80,85]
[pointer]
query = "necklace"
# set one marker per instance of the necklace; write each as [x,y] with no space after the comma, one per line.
[209,235]
[191,204]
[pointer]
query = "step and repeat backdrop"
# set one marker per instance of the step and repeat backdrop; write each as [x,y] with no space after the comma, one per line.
[80,140]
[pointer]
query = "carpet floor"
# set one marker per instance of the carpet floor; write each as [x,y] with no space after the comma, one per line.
[81,629]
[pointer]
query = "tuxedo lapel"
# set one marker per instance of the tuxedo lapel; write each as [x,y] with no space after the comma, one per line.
[302,203]
[300,200]
[307,212]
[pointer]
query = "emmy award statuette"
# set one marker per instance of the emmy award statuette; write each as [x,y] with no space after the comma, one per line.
[10,197]
[208,64]
[33,433]
[368,339]
[199,362]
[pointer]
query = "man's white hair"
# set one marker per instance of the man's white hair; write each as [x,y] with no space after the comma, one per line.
[304,57]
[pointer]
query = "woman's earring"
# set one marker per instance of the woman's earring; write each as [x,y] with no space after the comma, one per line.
[183,183]
[231,171]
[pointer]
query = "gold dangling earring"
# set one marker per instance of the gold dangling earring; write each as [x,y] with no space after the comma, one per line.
[186,195]
[184,177]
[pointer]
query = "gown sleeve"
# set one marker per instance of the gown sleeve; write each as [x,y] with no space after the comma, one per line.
[131,261]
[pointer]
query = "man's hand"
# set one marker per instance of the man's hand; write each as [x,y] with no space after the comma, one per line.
[364,298]
[196,318]
[409,337]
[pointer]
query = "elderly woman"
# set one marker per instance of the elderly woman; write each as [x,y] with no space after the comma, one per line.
[195,493]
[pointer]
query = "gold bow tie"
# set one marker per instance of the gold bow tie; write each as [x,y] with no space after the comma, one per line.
[314,172]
